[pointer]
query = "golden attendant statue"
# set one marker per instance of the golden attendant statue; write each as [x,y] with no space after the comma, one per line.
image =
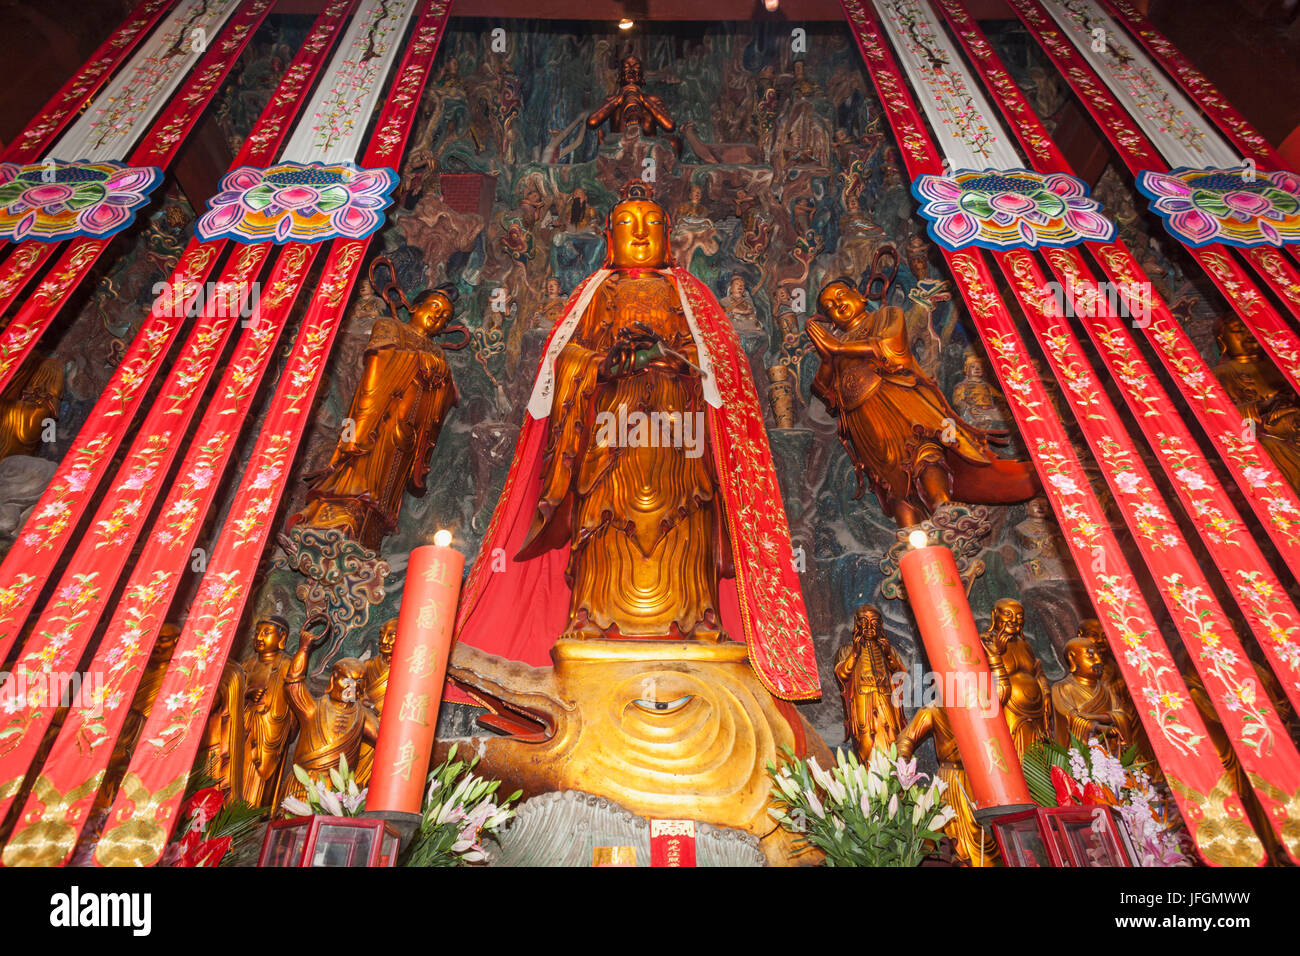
[330,726]
[27,403]
[896,425]
[865,670]
[268,716]
[972,844]
[397,412]
[1262,395]
[1022,687]
[376,677]
[1084,705]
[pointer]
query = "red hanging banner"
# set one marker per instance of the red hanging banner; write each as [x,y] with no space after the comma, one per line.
[158,149]
[143,813]
[1258,736]
[1273,501]
[1231,123]
[80,755]
[84,84]
[1272,330]
[1210,806]
[36,551]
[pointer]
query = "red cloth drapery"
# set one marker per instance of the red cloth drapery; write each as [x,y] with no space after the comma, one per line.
[516,609]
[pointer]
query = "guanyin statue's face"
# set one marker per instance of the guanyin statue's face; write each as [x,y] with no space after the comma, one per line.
[638,235]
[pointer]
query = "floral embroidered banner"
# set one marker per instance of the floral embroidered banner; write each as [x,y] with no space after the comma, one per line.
[51,201]
[1236,207]
[85,743]
[72,489]
[144,810]
[1211,808]
[1230,123]
[133,99]
[298,202]
[1273,501]
[1258,736]
[158,149]
[1009,208]
[77,91]
[1241,294]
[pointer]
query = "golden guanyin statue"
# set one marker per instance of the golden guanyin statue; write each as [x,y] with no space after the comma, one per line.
[899,430]
[1022,687]
[634,498]
[1083,703]
[1261,395]
[865,670]
[27,404]
[630,104]
[269,720]
[396,415]
[640,559]
[330,726]
[972,843]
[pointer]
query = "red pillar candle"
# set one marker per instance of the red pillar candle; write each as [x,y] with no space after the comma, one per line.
[952,644]
[415,677]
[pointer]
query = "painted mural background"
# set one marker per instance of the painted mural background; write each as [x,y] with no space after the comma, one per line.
[785,176]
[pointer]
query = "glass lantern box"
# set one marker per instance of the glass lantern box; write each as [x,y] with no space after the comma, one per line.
[329,841]
[1063,836]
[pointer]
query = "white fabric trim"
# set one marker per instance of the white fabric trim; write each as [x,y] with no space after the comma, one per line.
[953,101]
[1151,98]
[539,405]
[330,129]
[124,109]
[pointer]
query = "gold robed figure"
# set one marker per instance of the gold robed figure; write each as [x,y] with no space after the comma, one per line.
[972,844]
[899,430]
[396,415]
[1022,687]
[1261,395]
[269,720]
[865,670]
[627,482]
[376,677]
[1084,705]
[27,404]
[330,726]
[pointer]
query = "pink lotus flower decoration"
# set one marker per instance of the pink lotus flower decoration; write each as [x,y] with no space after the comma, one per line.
[53,201]
[298,202]
[1004,209]
[1238,207]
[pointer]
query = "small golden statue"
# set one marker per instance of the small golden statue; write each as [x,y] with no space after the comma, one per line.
[977,398]
[396,415]
[377,669]
[1262,395]
[630,104]
[1091,630]
[333,725]
[27,404]
[895,423]
[865,670]
[269,721]
[972,844]
[1084,705]
[1022,687]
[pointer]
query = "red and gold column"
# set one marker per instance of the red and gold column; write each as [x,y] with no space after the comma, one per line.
[415,678]
[952,644]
